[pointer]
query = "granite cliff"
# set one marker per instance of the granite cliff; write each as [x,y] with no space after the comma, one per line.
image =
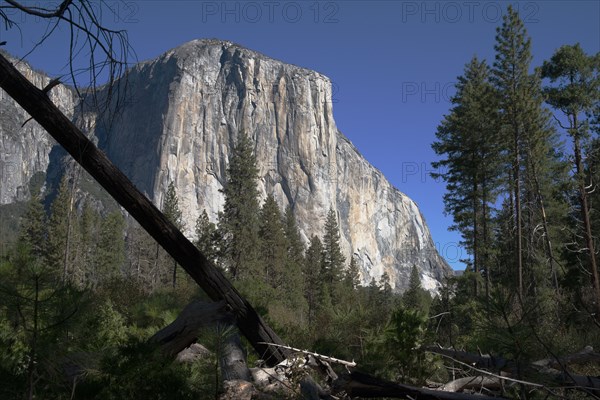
[182,115]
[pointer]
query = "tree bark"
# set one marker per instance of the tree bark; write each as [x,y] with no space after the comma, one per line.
[555,369]
[233,360]
[585,213]
[361,385]
[518,221]
[472,382]
[94,161]
[182,332]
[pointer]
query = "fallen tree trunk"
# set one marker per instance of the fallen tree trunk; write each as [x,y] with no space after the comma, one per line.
[472,383]
[357,384]
[95,162]
[182,332]
[586,355]
[486,361]
[547,367]
[233,360]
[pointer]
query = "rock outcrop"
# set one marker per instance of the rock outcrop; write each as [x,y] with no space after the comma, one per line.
[24,146]
[182,115]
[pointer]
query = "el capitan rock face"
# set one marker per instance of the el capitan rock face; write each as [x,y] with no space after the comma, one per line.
[183,113]
[25,147]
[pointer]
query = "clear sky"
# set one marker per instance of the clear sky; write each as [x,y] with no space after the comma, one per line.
[392,63]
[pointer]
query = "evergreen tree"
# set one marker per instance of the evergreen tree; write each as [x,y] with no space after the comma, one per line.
[239,220]
[143,255]
[40,314]
[295,249]
[273,244]
[89,223]
[111,247]
[294,262]
[173,213]
[207,237]
[415,297]
[529,144]
[352,275]
[576,95]
[171,206]
[511,76]
[333,265]
[313,265]
[33,227]
[60,230]
[468,138]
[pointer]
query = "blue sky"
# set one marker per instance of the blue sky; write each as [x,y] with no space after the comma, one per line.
[392,63]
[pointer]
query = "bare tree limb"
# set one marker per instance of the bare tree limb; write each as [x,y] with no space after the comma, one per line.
[40,11]
[472,383]
[316,355]
[357,384]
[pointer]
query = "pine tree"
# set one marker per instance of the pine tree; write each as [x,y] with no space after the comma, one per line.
[415,297]
[60,230]
[111,247]
[171,206]
[576,95]
[239,220]
[143,257]
[352,275]
[273,244]
[511,76]
[40,312]
[173,213]
[33,227]
[295,250]
[468,138]
[207,237]
[313,265]
[528,141]
[294,263]
[334,260]
[85,272]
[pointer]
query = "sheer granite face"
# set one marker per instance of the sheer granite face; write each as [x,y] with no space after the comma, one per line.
[183,112]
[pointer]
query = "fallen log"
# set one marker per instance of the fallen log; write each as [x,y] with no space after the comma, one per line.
[586,355]
[198,315]
[233,360]
[356,384]
[559,377]
[472,383]
[486,361]
[182,332]
[96,163]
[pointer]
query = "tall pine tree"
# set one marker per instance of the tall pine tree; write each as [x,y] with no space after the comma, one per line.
[207,237]
[239,220]
[313,265]
[531,149]
[334,260]
[273,244]
[171,210]
[576,93]
[468,139]
[60,233]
